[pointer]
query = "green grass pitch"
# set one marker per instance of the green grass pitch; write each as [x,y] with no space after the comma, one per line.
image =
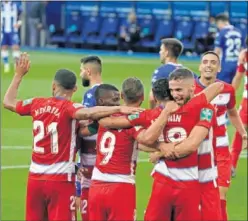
[17,133]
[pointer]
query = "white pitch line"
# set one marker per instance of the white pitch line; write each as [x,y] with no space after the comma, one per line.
[14,167]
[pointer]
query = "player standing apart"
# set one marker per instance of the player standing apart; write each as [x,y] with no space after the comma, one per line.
[91,74]
[170,50]
[242,71]
[228,44]
[10,23]
[225,104]
[51,188]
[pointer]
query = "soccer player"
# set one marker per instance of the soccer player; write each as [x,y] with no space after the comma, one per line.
[225,104]
[112,193]
[91,74]
[10,23]
[170,50]
[51,189]
[228,44]
[145,118]
[242,71]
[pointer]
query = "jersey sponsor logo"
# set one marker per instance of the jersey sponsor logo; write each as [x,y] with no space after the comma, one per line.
[133,116]
[206,114]
[26,102]
[77,105]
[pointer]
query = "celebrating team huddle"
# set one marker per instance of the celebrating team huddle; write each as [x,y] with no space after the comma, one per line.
[184,132]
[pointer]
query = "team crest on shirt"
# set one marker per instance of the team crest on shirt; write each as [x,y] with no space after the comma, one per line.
[26,102]
[77,105]
[206,114]
[133,116]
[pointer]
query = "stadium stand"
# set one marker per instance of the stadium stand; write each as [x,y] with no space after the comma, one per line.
[97,23]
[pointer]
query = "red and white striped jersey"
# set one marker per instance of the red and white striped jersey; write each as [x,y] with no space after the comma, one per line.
[224,101]
[208,172]
[116,155]
[183,172]
[54,132]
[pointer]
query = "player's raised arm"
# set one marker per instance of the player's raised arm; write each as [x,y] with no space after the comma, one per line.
[96,113]
[213,90]
[150,136]
[120,122]
[240,70]
[22,67]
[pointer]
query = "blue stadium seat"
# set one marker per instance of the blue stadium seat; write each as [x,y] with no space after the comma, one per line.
[91,29]
[109,31]
[201,29]
[238,10]
[72,27]
[164,30]
[242,26]
[184,32]
[217,8]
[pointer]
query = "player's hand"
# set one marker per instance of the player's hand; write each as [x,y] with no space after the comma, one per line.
[244,143]
[22,65]
[17,25]
[85,123]
[130,110]
[170,107]
[154,157]
[168,150]
[78,203]
[81,172]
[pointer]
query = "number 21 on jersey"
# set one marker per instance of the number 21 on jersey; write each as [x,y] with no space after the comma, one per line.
[51,130]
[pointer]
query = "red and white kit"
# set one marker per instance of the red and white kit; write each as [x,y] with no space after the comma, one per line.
[243,112]
[206,166]
[51,188]
[112,194]
[224,101]
[208,174]
[87,160]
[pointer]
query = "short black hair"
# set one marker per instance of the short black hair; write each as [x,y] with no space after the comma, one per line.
[211,52]
[132,89]
[246,41]
[92,59]
[181,74]
[102,88]
[161,90]
[66,79]
[174,46]
[222,17]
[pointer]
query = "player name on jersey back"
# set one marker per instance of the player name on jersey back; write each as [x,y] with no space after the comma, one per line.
[54,132]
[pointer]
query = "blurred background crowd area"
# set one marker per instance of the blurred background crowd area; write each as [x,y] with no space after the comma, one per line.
[127,26]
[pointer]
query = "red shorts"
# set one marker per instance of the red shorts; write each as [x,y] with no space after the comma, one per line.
[50,200]
[210,203]
[165,199]
[112,201]
[84,204]
[224,172]
[243,111]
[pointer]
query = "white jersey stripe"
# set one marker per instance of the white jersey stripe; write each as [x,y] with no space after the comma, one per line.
[57,168]
[72,145]
[182,174]
[222,141]
[116,178]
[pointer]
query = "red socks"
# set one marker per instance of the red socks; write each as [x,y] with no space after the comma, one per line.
[236,149]
[223,210]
